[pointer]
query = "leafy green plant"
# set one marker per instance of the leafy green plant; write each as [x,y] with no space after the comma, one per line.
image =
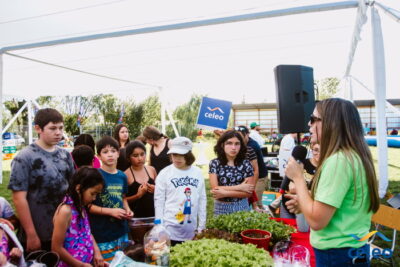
[218,234]
[218,253]
[243,220]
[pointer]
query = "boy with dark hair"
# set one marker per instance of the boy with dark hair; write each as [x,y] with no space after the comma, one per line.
[82,155]
[110,210]
[39,179]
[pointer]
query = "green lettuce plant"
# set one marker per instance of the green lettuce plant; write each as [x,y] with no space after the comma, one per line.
[243,220]
[218,253]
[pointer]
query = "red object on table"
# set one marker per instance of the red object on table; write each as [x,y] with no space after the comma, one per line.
[262,242]
[299,238]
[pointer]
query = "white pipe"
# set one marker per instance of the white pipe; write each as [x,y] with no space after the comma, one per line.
[351,89]
[380,98]
[388,105]
[30,133]
[361,19]
[36,103]
[389,11]
[171,120]
[162,98]
[14,118]
[193,24]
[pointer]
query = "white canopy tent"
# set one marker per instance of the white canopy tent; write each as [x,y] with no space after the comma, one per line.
[90,70]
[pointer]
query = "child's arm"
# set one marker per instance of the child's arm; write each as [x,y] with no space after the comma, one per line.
[159,198]
[230,191]
[129,212]
[140,193]
[3,259]
[256,171]
[98,259]
[21,206]
[62,221]
[113,212]
[202,211]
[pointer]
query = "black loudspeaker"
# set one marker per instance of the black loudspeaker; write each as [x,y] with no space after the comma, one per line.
[295,97]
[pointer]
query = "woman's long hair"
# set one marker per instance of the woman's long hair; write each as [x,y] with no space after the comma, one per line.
[116,133]
[219,147]
[151,132]
[86,177]
[342,131]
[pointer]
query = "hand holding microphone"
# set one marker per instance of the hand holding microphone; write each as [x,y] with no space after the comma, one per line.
[299,154]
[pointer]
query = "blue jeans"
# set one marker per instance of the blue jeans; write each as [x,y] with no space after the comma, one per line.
[341,257]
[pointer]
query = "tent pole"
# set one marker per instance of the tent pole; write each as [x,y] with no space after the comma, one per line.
[194,24]
[350,89]
[388,104]
[14,118]
[30,121]
[378,54]
[171,120]
[163,128]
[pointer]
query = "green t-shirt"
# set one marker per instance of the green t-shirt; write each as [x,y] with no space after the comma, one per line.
[336,188]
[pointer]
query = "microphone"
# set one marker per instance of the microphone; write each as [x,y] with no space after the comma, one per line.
[299,153]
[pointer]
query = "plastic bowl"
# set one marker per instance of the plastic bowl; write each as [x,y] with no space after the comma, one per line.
[139,227]
[262,242]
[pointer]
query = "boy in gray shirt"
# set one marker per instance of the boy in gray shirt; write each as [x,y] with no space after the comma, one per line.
[39,179]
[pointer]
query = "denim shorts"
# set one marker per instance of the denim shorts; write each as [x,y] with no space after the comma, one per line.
[340,257]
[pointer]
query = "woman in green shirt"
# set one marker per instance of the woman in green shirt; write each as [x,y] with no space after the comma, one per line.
[344,194]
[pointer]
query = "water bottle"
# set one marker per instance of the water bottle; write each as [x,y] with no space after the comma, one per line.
[157,245]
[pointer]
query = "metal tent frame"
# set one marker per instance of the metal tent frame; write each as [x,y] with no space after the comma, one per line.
[361,5]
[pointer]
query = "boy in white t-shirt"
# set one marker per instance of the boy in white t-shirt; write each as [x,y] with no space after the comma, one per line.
[180,195]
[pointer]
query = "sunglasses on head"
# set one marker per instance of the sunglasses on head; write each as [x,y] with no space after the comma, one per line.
[314,118]
[240,129]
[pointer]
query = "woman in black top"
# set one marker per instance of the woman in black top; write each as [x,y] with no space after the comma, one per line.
[121,134]
[159,158]
[141,183]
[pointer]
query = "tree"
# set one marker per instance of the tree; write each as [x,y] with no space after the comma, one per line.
[327,88]
[107,108]
[70,124]
[14,106]
[45,100]
[151,112]
[186,116]
[134,119]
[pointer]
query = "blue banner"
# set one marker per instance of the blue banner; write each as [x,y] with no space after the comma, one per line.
[213,114]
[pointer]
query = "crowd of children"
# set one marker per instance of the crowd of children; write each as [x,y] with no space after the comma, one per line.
[78,204]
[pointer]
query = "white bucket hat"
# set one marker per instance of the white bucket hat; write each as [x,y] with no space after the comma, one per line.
[180,145]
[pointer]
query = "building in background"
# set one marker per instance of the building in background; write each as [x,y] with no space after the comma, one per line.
[266,115]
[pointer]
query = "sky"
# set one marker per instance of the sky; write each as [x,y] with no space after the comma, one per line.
[233,61]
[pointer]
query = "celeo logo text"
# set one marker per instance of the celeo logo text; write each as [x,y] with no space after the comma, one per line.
[213,115]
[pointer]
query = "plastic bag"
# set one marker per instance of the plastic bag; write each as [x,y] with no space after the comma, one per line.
[121,260]
[289,254]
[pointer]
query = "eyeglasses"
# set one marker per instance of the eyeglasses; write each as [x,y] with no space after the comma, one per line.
[314,118]
[241,129]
